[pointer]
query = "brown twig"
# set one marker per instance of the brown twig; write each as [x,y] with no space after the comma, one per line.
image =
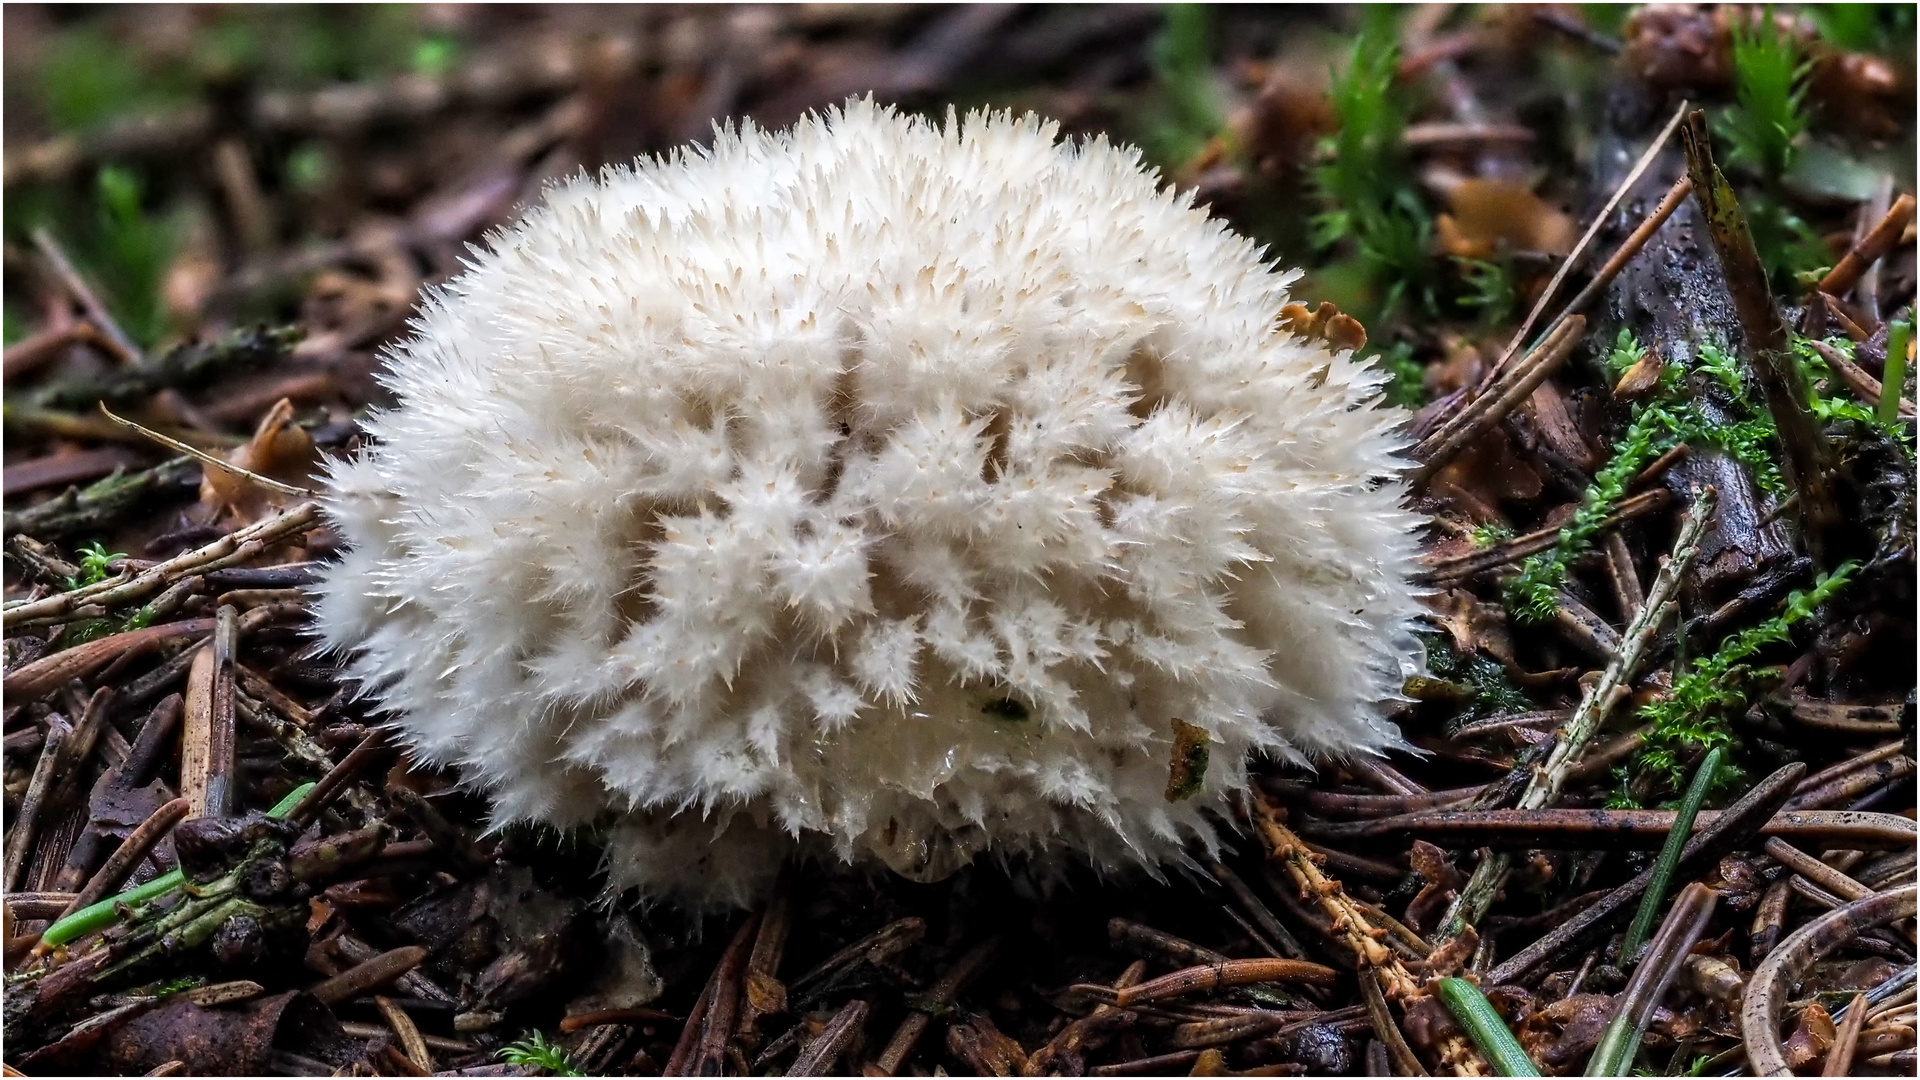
[26,821]
[764,993]
[1477,416]
[369,975]
[1543,789]
[728,985]
[1785,965]
[111,337]
[1805,458]
[938,999]
[1730,828]
[1647,158]
[128,855]
[1352,924]
[336,778]
[1602,829]
[1874,246]
[1847,1040]
[403,1026]
[819,1056]
[1864,386]
[45,675]
[1632,245]
[1195,980]
[236,547]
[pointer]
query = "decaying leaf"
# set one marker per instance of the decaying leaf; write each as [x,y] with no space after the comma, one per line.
[1187,767]
[279,450]
[1491,216]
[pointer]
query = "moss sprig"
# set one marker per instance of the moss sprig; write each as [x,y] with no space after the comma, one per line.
[1365,182]
[536,1051]
[1694,715]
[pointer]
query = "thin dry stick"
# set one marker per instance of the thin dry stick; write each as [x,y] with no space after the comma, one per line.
[403,1026]
[27,821]
[1593,229]
[763,990]
[226,643]
[128,855]
[49,673]
[112,337]
[205,458]
[196,733]
[820,1055]
[337,777]
[1533,543]
[1486,410]
[690,1032]
[1405,1062]
[1847,1039]
[1864,386]
[938,1000]
[1806,458]
[1767,987]
[1870,249]
[236,547]
[369,975]
[1194,980]
[93,720]
[1544,787]
[1676,195]
[1269,925]
[709,1053]
[1075,1034]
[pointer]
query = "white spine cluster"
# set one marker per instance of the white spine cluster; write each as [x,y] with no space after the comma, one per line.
[876,488]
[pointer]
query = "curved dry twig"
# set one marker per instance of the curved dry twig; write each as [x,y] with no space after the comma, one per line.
[1770,982]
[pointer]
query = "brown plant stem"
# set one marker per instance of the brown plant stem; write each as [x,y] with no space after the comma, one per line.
[1806,459]
[1543,788]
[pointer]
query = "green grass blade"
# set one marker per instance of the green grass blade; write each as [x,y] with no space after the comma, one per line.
[101,915]
[1663,868]
[1894,378]
[1485,1027]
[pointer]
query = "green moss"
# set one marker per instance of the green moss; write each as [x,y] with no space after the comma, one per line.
[1187,113]
[1694,717]
[1366,184]
[536,1051]
[1406,385]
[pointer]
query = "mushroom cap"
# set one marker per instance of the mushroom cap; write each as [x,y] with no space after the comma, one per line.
[878,489]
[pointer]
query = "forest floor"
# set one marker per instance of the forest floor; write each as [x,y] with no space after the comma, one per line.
[1645,277]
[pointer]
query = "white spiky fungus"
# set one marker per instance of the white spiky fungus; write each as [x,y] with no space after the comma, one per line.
[875,488]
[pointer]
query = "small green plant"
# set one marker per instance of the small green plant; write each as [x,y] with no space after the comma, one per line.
[96,565]
[1694,715]
[131,253]
[536,1051]
[1188,113]
[1626,352]
[1763,130]
[1659,424]
[1833,402]
[1534,594]
[1490,289]
[1491,533]
[1770,76]
[1493,691]
[1894,383]
[1406,386]
[1365,182]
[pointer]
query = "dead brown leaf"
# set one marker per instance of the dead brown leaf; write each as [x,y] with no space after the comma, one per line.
[279,450]
[1490,216]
